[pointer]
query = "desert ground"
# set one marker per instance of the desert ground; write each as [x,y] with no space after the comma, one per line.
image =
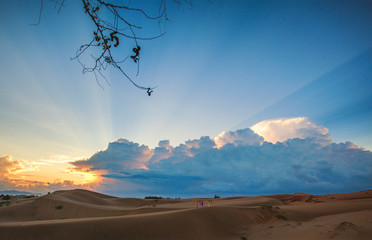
[82,214]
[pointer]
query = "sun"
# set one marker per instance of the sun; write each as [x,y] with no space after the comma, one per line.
[89,177]
[84,177]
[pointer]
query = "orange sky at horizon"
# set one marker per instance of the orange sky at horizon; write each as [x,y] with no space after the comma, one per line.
[46,175]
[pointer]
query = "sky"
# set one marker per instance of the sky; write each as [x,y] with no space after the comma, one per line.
[252,97]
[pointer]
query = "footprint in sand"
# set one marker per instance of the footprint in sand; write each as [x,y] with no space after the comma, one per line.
[344,227]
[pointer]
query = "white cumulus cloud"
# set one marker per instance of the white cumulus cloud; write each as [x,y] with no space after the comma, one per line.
[238,137]
[280,130]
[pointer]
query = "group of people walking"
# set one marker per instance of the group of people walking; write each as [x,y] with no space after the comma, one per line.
[200,204]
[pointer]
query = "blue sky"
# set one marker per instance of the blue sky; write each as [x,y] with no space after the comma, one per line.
[221,66]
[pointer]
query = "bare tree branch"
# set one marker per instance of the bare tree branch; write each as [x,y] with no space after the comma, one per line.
[109,34]
[41,11]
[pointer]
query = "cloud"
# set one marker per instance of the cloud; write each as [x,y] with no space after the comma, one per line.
[280,130]
[239,137]
[238,163]
[10,168]
[121,154]
[43,187]
[163,151]
[17,174]
[7,165]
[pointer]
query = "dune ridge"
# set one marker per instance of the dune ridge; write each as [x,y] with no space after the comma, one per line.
[82,214]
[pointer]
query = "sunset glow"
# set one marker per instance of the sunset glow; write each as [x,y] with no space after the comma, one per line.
[249,97]
[38,176]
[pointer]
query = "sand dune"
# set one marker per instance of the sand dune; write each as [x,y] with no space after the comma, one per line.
[81,214]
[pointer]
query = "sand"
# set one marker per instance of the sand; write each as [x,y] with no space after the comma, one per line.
[82,214]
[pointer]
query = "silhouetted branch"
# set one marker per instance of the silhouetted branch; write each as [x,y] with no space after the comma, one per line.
[109,34]
[41,11]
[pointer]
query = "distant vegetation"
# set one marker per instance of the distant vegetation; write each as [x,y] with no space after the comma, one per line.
[282,217]
[6,203]
[216,196]
[154,197]
[59,207]
[10,196]
[7,199]
[263,206]
[159,197]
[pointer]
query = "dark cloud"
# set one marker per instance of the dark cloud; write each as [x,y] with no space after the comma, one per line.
[119,155]
[163,151]
[198,167]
